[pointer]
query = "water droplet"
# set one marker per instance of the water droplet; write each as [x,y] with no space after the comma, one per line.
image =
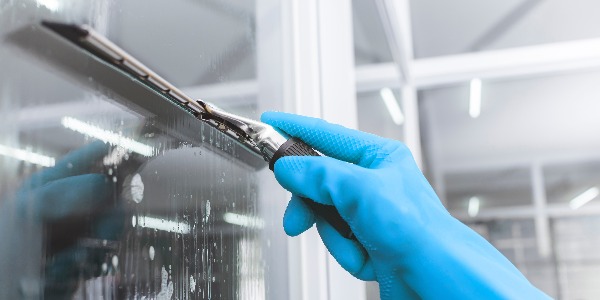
[114,178]
[115,261]
[70,166]
[133,220]
[213,279]
[110,171]
[192,284]
[137,188]
[151,252]
[104,267]
[207,210]
[166,286]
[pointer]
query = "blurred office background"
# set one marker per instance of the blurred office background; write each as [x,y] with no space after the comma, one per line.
[508,104]
[498,100]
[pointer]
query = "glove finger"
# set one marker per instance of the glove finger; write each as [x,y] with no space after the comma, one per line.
[315,177]
[333,140]
[62,272]
[65,269]
[324,180]
[348,253]
[110,225]
[74,163]
[353,258]
[66,197]
[298,217]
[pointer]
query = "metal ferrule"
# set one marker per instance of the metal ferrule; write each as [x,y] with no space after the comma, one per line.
[260,137]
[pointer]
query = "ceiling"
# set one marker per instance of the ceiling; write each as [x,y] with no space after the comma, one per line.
[459,26]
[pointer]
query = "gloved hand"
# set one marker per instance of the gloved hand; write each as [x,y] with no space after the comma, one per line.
[75,205]
[407,240]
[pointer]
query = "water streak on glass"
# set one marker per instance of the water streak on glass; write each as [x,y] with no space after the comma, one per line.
[108,192]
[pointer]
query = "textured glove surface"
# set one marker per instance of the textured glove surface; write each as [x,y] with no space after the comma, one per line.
[407,240]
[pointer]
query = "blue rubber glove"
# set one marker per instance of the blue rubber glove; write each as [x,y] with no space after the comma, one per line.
[407,240]
[66,189]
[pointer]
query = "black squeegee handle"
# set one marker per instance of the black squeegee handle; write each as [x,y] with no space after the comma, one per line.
[296,147]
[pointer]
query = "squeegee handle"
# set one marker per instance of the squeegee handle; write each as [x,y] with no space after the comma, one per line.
[296,147]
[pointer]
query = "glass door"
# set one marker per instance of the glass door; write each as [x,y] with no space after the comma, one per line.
[110,191]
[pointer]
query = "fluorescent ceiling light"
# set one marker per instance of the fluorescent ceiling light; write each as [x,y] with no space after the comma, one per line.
[584,198]
[392,105]
[243,220]
[107,136]
[162,224]
[52,5]
[28,156]
[473,209]
[475,100]
[115,157]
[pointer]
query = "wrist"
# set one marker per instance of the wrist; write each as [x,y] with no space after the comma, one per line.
[460,263]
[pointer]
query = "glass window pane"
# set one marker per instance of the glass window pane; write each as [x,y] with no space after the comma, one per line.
[577,242]
[566,182]
[189,42]
[370,41]
[381,117]
[482,190]
[577,239]
[107,190]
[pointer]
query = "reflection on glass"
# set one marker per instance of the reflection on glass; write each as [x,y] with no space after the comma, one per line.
[108,193]
[188,213]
